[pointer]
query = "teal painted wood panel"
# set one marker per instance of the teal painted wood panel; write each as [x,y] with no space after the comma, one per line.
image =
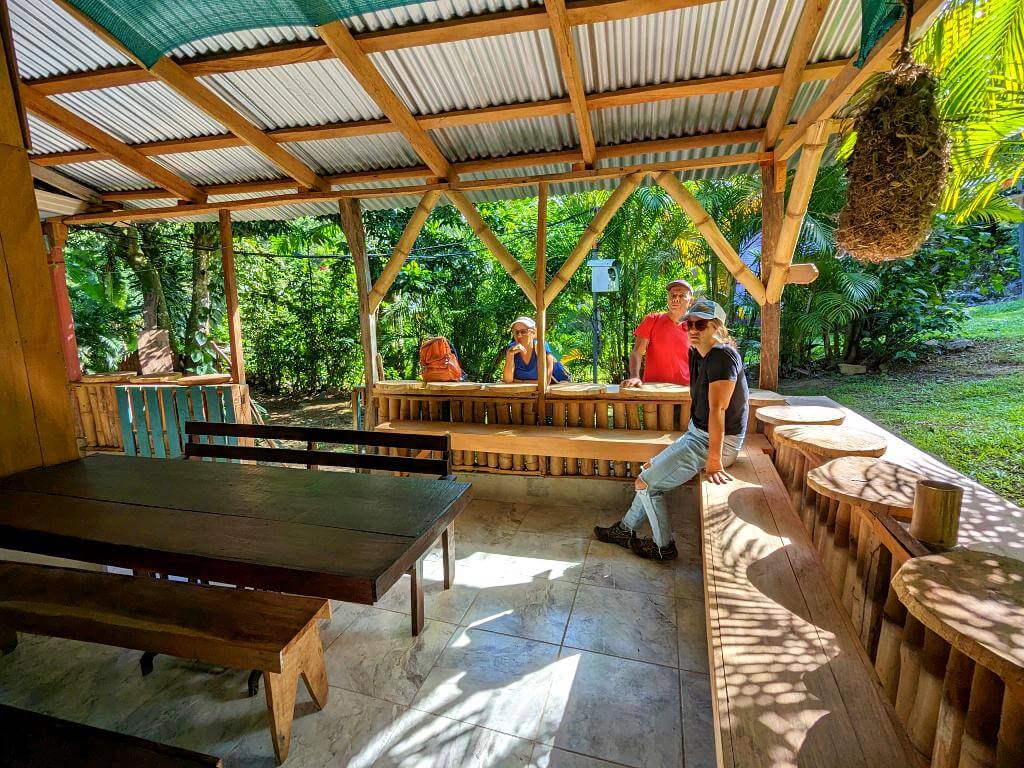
[156,426]
[172,426]
[139,412]
[125,415]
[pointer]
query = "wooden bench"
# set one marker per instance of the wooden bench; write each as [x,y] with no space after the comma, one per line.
[41,741]
[792,685]
[268,631]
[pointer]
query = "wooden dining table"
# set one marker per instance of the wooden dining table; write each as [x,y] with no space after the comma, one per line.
[339,535]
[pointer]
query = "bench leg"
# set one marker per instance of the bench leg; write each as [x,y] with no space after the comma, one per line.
[305,659]
[448,555]
[416,584]
[8,640]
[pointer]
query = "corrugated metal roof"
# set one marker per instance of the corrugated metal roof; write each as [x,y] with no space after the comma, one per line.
[46,138]
[728,37]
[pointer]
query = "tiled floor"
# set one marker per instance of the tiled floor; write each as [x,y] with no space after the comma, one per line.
[551,651]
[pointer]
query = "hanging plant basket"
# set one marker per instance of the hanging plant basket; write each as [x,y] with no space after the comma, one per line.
[898,167]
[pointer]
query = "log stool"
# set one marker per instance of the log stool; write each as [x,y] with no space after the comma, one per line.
[850,489]
[968,707]
[773,416]
[758,399]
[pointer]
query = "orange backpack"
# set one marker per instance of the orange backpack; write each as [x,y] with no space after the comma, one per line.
[438,362]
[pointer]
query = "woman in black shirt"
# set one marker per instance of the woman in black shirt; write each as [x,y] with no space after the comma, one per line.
[718,418]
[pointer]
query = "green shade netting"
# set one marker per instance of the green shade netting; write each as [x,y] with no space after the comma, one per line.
[151,28]
[877,18]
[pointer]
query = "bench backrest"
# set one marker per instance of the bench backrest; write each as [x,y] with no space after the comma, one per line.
[153,416]
[423,448]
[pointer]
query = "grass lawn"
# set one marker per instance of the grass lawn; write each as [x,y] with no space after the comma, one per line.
[967,408]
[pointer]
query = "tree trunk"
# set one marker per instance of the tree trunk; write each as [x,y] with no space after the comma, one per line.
[204,242]
[136,250]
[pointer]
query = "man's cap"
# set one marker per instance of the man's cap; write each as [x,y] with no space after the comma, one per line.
[705,309]
[527,321]
[679,284]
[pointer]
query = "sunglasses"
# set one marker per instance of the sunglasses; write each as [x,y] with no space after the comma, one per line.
[522,331]
[696,325]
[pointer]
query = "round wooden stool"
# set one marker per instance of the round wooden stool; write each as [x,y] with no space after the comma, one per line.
[968,702]
[773,416]
[758,399]
[848,490]
[800,448]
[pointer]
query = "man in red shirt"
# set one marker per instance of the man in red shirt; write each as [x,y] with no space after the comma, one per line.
[661,344]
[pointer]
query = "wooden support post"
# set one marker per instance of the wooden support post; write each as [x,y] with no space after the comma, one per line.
[539,281]
[590,235]
[56,235]
[352,224]
[402,249]
[799,195]
[771,313]
[928,697]
[227,260]
[956,694]
[35,398]
[493,244]
[707,227]
[981,728]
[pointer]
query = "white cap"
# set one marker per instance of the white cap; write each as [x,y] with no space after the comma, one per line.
[527,321]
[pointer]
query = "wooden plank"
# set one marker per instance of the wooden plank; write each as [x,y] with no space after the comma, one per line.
[234,317]
[64,119]
[414,442]
[156,426]
[138,404]
[539,283]
[568,442]
[796,207]
[338,38]
[206,101]
[796,62]
[171,423]
[185,620]
[590,235]
[493,244]
[852,77]
[310,458]
[712,234]
[565,49]
[402,249]
[355,236]
[48,742]
[63,183]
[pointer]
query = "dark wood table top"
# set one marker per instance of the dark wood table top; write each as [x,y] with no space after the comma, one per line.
[340,535]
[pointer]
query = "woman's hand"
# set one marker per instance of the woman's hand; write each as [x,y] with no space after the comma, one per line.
[517,349]
[715,471]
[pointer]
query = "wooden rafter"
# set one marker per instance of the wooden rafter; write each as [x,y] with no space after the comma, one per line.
[340,41]
[185,85]
[494,164]
[611,172]
[493,244]
[712,234]
[64,184]
[590,235]
[851,78]
[796,207]
[59,117]
[561,38]
[232,311]
[402,249]
[484,25]
[352,223]
[547,108]
[799,50]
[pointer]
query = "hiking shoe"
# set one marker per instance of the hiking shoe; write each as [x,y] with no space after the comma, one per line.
[648,549]
[616,534]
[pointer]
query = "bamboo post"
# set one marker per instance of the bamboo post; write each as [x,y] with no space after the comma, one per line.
[890,637]
[619,422]
[352,225]
[603,465]
[981,728]
[1010,742]
[587,412]
[771,313]
[402,249]
[956,695]
[518,460]
[572,420]
[227,260]
[936,518]
[540,282]
[928,697]
[840,551]
[910,667]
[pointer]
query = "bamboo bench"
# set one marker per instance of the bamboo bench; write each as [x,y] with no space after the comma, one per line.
[268,631]
[789,676]
[42,741]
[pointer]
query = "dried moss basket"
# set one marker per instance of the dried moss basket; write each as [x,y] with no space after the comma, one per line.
[898,167]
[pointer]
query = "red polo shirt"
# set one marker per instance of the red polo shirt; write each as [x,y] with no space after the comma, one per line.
[668,350]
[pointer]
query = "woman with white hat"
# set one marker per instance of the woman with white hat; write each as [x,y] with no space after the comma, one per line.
[521,357]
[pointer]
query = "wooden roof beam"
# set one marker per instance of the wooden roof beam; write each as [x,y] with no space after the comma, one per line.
[607,100]
[64,184]
[467,28]
[59,117]
[561,38]
[793,77]
[338,38]
[525,160]
[403,248]
[185,85]
[172,212]
[851,78]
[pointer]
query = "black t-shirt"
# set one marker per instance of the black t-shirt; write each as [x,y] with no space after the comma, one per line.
[722,363]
